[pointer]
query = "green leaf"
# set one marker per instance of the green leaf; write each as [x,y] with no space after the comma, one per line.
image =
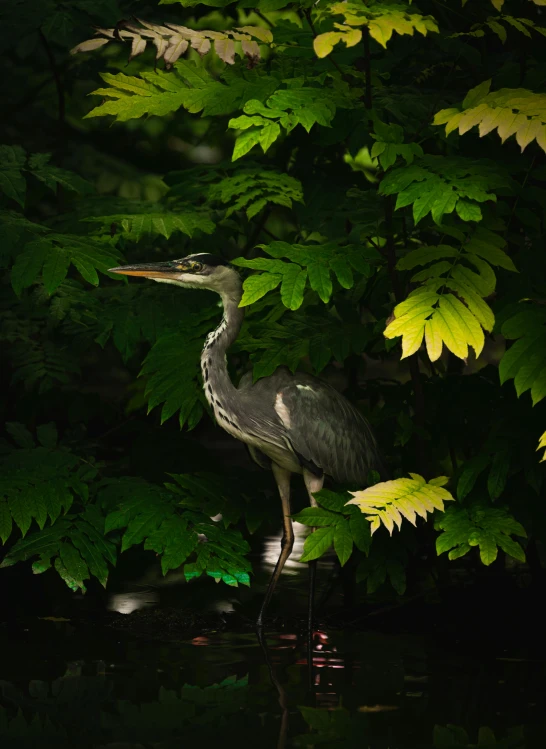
[268,135]
[316,516]
[332,501]
[91,555]
[360,530]
[40,543]
[468,211]
[293,286]
[245,142]
[74,564]
[20,434]
[28,265]
[469,475]
[488,549]
[478,525]
[317,543]
[143,525]
[47,435]
[319,278]
[255,287]
[5,521]
[72,582]
[55,269]
[343,541]
[12,182]
[496,480]
[475,95]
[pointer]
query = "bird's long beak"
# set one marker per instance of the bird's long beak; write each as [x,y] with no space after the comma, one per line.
[149,270]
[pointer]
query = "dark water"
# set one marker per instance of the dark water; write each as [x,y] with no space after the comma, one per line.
[389,683]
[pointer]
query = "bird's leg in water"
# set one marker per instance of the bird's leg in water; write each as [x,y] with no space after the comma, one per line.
[282,477]
[312,484]
[283,702]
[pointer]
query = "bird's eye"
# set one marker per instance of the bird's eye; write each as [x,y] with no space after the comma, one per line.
[197,267]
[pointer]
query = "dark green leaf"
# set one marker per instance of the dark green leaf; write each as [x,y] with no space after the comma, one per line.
[317,543]
[343,541]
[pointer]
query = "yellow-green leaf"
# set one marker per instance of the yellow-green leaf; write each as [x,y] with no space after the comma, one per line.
[387,502]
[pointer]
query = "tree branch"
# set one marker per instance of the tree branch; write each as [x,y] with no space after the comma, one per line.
[58,82]
[418,394]
[367,68]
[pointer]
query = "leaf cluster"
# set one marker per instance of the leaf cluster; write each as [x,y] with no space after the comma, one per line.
[479,525]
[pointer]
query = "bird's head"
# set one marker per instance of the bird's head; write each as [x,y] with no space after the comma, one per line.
[199,271]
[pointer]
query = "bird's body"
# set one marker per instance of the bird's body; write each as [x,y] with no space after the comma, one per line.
[291,423]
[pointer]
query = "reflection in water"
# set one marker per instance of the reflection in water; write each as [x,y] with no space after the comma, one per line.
[126,603]
[154,588]
[168,696]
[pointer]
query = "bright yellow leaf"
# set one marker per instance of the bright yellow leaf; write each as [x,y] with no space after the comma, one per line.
[388,502]
[323,44]
[412,339]
[433,339]
[469,325]
[542,444]
[451,332]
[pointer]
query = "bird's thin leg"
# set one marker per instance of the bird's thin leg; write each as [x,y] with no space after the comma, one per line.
[282,477]
[312,484]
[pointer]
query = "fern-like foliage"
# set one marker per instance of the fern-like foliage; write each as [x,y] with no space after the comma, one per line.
[488,527]
[274,343]
[252,191]
[189,86]
[302,105]
[155,516]
[498,463]
[380,20]
[453,318]
[308,264]
[172,40]
[341,524]
[42,364]
[439,185]
[49,486]
[499,25]
[389,502]
[509,111]
[525,360]
[75,545]
[171,370]
[51,256]
[39,482]
[134,227]
[16,166]
[389,145]
[336,523]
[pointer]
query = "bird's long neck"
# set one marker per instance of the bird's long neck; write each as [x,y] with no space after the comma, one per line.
[219,389]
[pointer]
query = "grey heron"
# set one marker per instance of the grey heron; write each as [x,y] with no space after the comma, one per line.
[290,423]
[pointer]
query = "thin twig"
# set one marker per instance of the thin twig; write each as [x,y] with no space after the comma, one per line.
[54,69]
[60,103]
[261,15]
[418,394]
[434,103]
[367,68]
[257,231]
[516,201]
[307,14]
